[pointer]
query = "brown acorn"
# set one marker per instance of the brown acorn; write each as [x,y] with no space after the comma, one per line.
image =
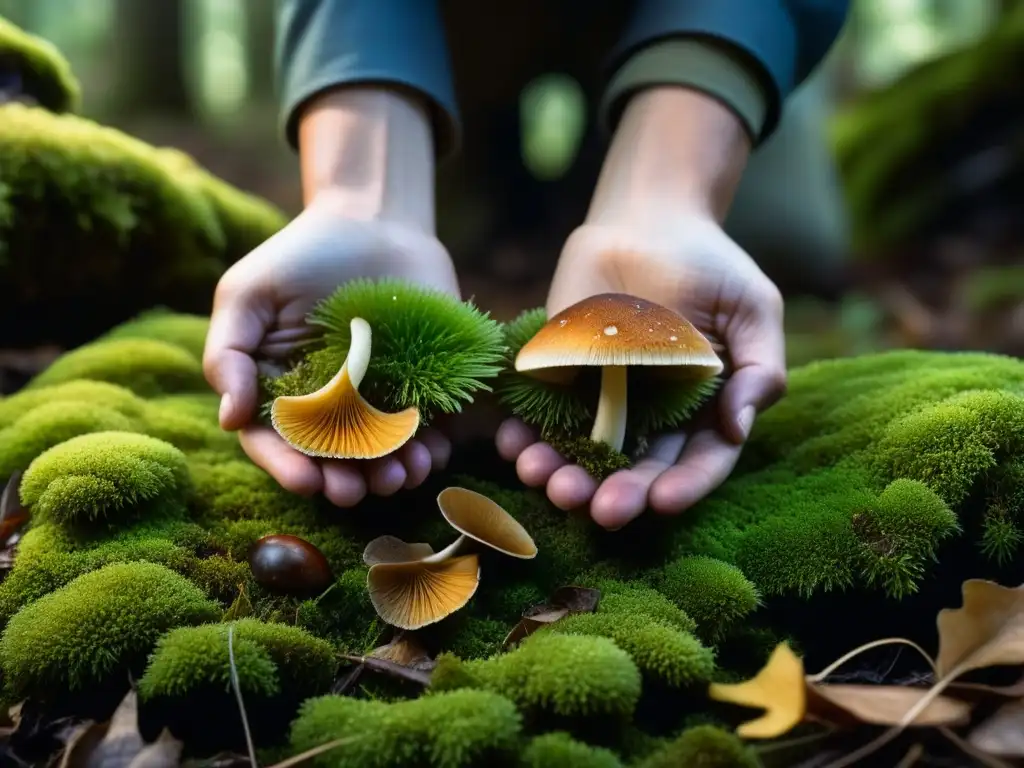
[289,565]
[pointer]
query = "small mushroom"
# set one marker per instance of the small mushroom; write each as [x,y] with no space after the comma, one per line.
[479,518]
[336,422]
[411,586]
[616,331]
[289,565]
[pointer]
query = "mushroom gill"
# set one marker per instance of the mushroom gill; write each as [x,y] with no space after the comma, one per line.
[336,421]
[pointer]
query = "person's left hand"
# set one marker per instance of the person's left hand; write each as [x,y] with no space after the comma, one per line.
[683,261]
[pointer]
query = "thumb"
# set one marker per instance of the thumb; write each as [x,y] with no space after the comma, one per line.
[757,350]
[236,330]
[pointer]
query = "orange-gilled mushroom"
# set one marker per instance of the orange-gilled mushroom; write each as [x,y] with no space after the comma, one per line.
[616,331]
[412,586]
[336,422]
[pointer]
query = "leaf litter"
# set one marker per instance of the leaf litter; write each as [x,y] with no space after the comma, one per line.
[984,721]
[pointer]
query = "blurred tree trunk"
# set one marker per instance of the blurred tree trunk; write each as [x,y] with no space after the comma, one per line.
[151,71]
[260,16]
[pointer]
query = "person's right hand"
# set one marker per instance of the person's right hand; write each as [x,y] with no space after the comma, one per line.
[259,312]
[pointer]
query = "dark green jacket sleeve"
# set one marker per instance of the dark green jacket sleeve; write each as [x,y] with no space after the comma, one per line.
[325,43]
[750,54]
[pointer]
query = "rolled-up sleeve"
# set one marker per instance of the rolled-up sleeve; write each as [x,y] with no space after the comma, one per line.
[749,54]
[321,44]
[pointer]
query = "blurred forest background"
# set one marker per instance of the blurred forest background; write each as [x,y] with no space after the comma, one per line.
[888,207]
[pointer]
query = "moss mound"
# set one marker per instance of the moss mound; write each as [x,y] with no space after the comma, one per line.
[44,73]
[876,479]
[143,231]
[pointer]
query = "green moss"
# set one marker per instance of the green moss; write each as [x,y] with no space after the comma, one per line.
[247,220]
[599,459]
[825,455]
[430,350]
[560,750]
[104,476]
[45,73]
[662,653]
[190,663]
[160,324]
[634,598]
[706,746]
[71,394]
[44,427]
[194,662]
[446,730]
[716,595]
[564,676]
[145,366]
[104,621]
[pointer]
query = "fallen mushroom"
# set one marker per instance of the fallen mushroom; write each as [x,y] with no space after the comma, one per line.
[412,586]
[616,331]
[336,422]
[290,565]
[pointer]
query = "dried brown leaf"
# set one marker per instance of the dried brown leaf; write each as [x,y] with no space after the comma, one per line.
[1002,734]
[405,649]
[563,602]
[118,743]
[790,697]
[12,514]
[419,675]
[987,631]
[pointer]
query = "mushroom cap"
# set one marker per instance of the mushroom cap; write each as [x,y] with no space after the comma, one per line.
[415,594]
[336,422]
[619,329]
[474,515]
[391,549]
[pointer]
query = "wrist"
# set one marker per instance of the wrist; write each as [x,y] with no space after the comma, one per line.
[368,152]
[675,149]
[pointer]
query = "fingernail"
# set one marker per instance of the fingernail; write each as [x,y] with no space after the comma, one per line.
[746,421]
[225,408]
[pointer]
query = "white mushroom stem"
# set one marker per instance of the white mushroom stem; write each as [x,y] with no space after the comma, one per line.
[358,359]
[448,552]
[610,421]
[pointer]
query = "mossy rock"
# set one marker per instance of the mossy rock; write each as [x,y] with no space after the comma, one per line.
[144,230]
[44,73]
[857,483]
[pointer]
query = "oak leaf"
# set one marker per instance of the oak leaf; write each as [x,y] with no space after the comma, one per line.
[987,631]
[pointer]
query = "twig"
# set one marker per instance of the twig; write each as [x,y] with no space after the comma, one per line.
[913,755]
[238,695]
[817,678]
[311,753]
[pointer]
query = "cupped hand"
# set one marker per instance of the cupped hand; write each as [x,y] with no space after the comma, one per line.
[259,312]
[686,263]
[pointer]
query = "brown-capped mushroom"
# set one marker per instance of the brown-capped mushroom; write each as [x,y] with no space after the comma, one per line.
[336,421]
[615,331]
[411,586]
[287,564]
[479,518]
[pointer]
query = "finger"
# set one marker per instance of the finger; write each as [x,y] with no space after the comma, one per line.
[570,487]
[385,476]
[513,437]
[439,447]
[623,496]
[236,330]
[293,471]
[417,462]
[344,484]
[757,349]
[537,463]
[705,462]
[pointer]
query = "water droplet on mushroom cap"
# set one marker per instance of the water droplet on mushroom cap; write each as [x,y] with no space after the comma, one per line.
[289,565]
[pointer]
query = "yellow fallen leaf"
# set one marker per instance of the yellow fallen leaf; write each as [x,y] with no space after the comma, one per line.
[987,631]
[789,697]
[780,688]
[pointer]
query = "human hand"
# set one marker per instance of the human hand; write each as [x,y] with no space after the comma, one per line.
[688,264]
[259,312]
